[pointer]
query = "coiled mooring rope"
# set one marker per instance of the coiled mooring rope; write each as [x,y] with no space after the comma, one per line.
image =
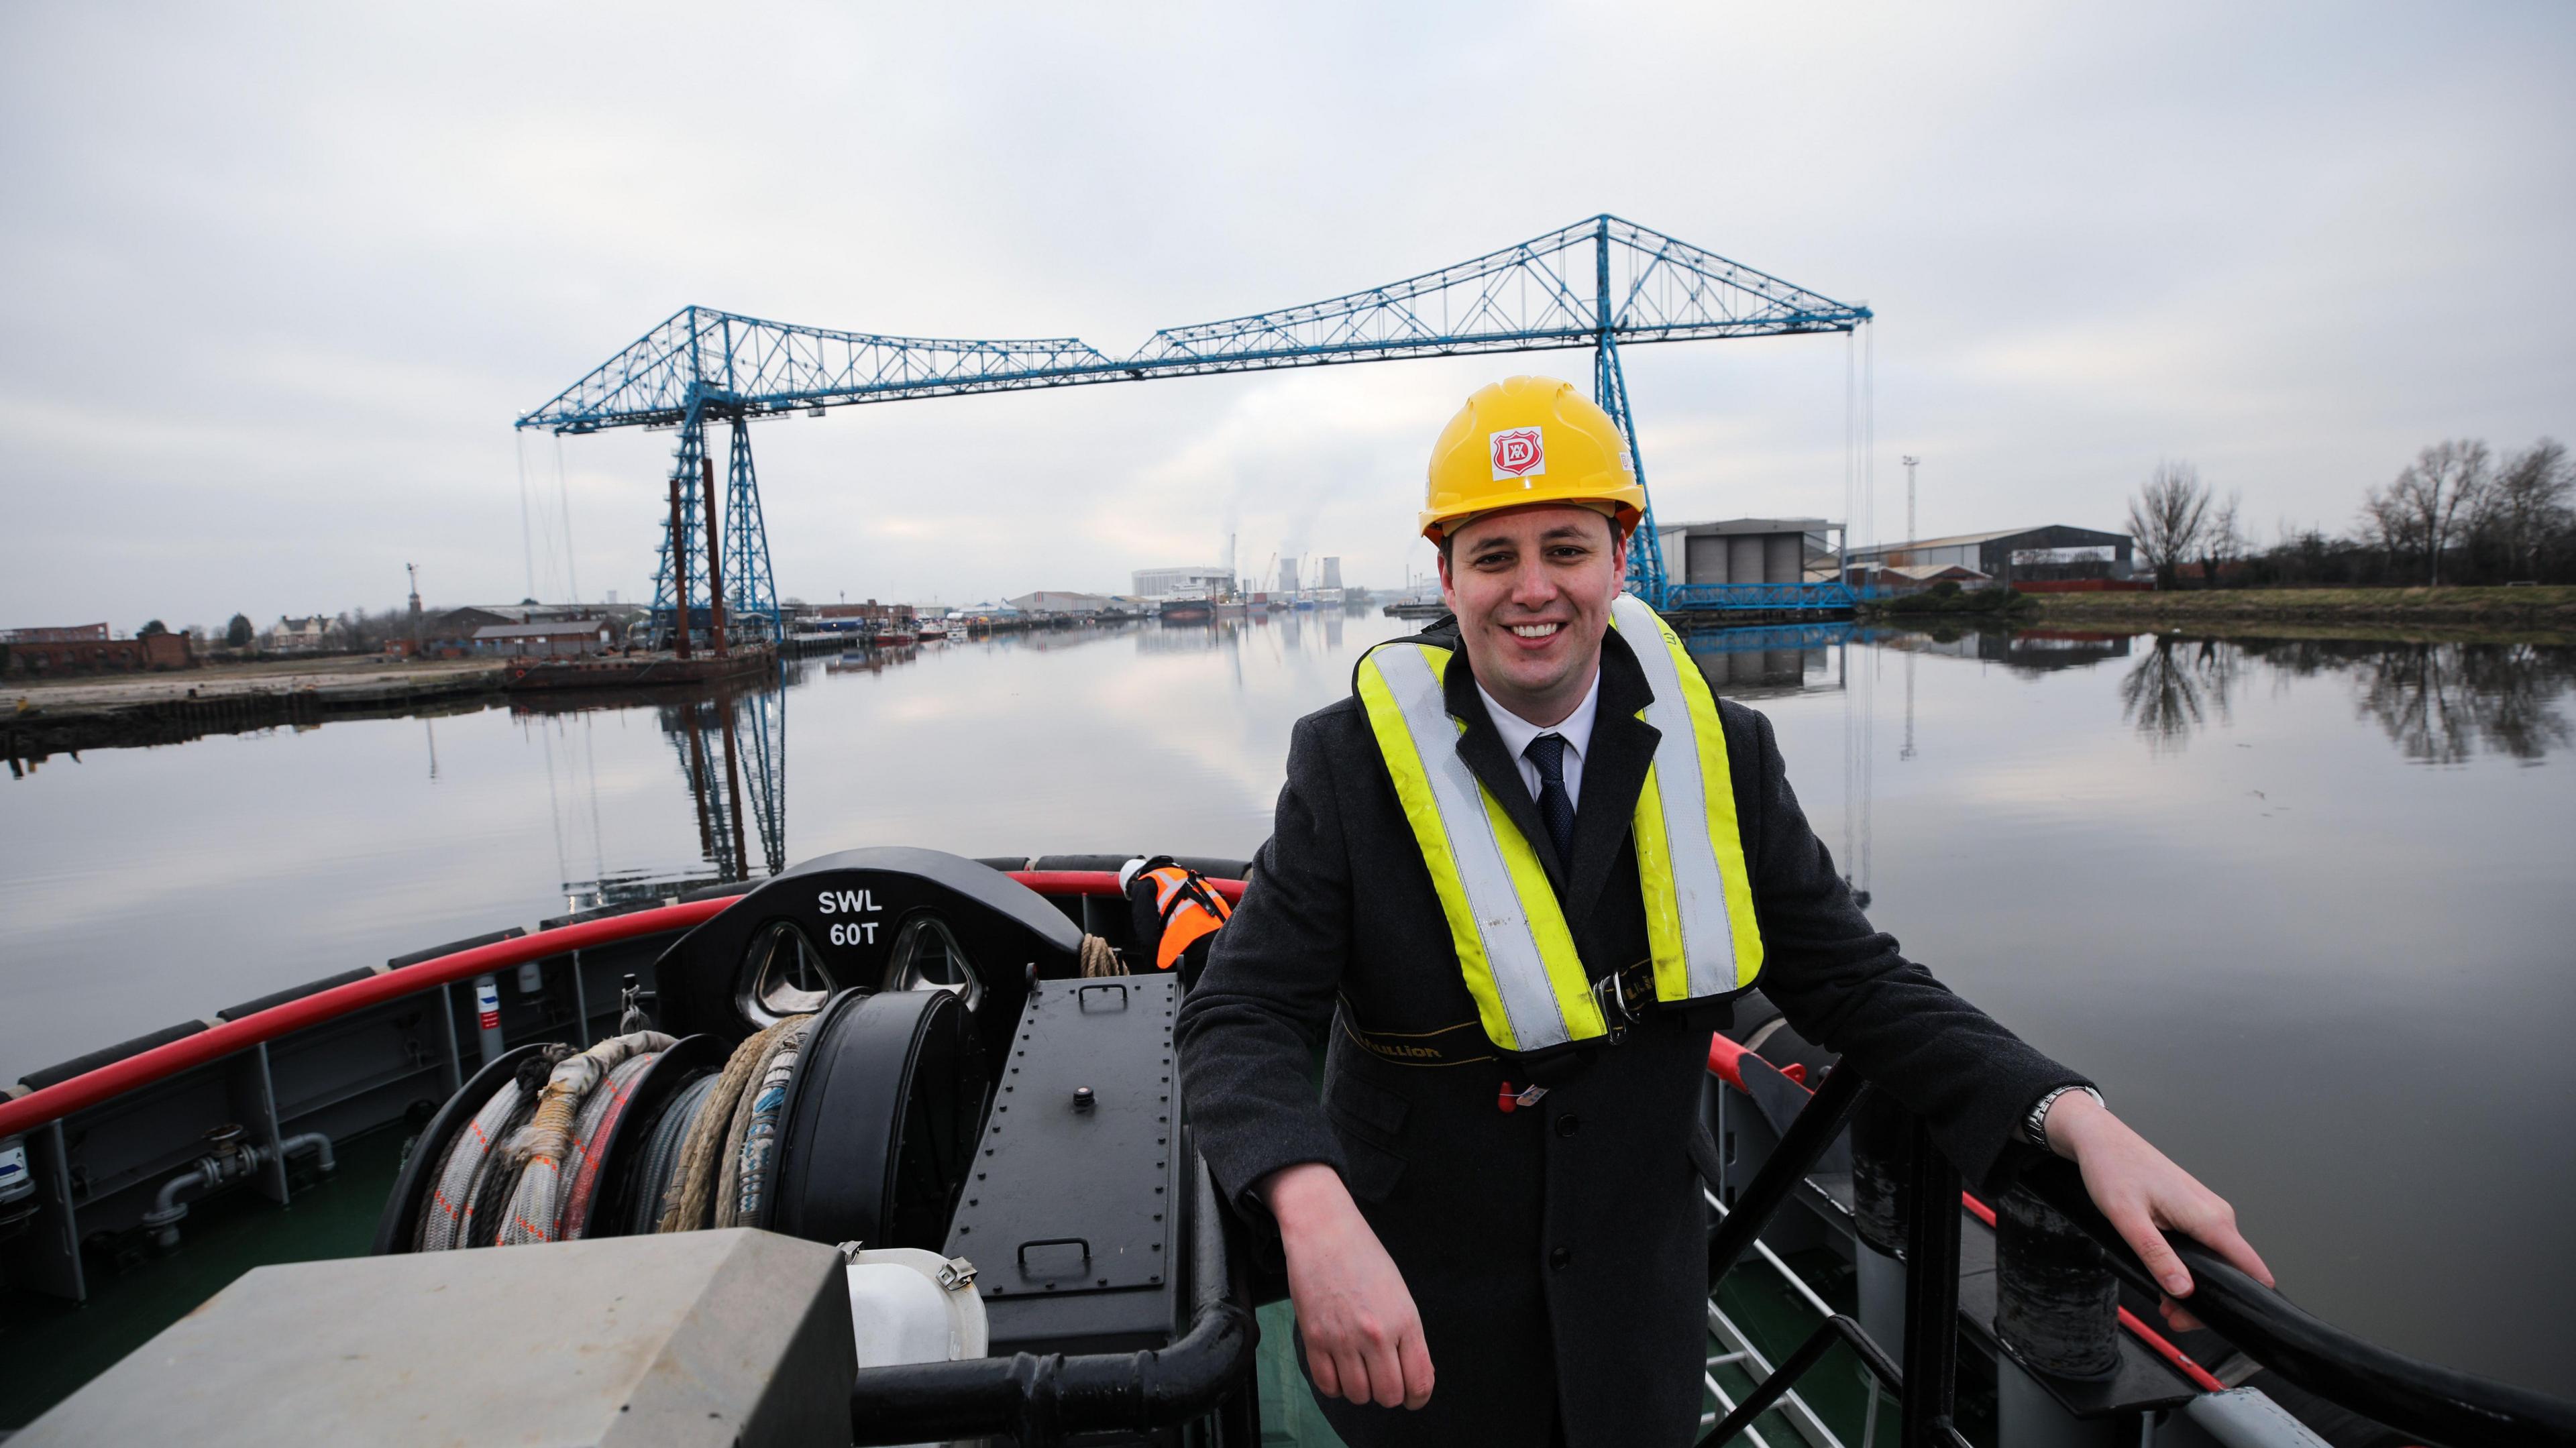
[662,1153]
[688,1203]
[745,1175]
[1099,960]
[534,1205]
[447,1218]
[599,1118]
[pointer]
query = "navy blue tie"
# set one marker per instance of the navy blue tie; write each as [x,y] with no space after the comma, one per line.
[1555,806]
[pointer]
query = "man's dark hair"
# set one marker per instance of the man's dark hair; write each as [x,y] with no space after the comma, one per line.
[1449,536]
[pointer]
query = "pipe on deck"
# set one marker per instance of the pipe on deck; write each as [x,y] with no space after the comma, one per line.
[218,1167]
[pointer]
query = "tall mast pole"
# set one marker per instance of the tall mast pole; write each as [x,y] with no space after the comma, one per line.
[1910,533]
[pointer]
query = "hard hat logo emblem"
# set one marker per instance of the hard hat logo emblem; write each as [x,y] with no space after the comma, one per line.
[1518,452]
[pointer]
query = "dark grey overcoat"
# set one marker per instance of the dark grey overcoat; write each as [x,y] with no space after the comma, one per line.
[1557,1253]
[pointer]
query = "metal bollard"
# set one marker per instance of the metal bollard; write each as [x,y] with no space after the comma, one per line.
[1882,1140]
[1882,1152]
[2057,1305]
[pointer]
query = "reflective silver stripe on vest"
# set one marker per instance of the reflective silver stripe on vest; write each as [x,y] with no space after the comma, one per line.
[1699,890]
[1511,952]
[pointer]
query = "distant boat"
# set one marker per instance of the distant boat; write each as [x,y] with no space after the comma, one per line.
[1185,607]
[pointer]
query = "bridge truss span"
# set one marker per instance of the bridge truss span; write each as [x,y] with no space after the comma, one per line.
[1602,283]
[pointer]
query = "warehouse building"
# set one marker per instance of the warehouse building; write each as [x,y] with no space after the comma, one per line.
[567,638]
[2050,553]
[1749,550]
[1206,578]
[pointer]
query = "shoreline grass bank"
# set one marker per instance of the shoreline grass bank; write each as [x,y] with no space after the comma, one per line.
[2545,610]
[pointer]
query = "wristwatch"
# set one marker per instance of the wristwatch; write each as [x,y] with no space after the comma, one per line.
[2034,1127]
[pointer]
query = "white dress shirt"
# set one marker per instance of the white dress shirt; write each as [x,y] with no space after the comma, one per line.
[1575,729]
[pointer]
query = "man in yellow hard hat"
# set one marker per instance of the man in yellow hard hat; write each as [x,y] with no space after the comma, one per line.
[1515,880]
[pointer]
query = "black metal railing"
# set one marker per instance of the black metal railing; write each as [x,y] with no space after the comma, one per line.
[2440,1405]
[1044,1398]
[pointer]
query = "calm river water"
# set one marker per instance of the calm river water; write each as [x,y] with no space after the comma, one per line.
[2304,908]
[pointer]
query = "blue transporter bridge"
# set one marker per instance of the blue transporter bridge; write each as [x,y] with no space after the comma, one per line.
[1599,285]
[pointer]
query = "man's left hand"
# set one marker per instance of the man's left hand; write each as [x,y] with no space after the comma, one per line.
[2144,1194]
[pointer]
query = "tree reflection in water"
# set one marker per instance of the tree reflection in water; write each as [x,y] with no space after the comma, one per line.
[2179,685]
[2439,703]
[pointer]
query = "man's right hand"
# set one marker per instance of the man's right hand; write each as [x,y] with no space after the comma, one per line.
[1363,1336]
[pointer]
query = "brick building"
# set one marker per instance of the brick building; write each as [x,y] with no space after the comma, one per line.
[87,649]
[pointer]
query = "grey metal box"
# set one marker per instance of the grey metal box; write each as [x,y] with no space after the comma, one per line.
[713,1338]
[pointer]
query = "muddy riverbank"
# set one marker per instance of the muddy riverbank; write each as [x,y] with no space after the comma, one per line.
[111,711]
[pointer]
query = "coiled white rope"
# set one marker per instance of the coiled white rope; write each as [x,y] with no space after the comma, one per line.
[599,1118]
[537,1151]
[447,1218]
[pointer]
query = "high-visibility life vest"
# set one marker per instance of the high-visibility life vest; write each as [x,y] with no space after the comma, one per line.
[1187,908]
[1531,990]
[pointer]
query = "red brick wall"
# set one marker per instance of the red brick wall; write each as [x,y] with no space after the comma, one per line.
[102,656]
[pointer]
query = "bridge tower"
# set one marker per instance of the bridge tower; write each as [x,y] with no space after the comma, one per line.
[680,578]
[1610,390]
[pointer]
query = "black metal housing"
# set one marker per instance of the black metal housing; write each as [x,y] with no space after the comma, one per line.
[1071,1214]
[850,907]
[880,1120]
[1042,1398]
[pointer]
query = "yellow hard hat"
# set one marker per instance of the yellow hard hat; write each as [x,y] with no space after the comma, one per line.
[1528,440]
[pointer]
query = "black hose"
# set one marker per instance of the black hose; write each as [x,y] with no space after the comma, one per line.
[662,1154]
[2441,1405]
[1041,1398]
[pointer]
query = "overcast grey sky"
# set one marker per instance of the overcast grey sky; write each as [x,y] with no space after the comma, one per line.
[276,279]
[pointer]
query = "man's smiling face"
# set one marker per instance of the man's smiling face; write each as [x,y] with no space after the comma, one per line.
[1532,588]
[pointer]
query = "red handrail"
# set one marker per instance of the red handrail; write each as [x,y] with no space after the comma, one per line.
[1103,882]
[189,1052]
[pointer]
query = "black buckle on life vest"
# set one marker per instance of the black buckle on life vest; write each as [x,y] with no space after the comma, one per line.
[1624,997]
[1612,997]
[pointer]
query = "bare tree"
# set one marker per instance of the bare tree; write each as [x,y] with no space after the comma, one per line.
[2387,526]
[2222,541]
[2167,516]
[2527,503]
[2429,495]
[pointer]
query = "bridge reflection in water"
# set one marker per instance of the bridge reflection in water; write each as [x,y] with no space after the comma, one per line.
[729,746]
